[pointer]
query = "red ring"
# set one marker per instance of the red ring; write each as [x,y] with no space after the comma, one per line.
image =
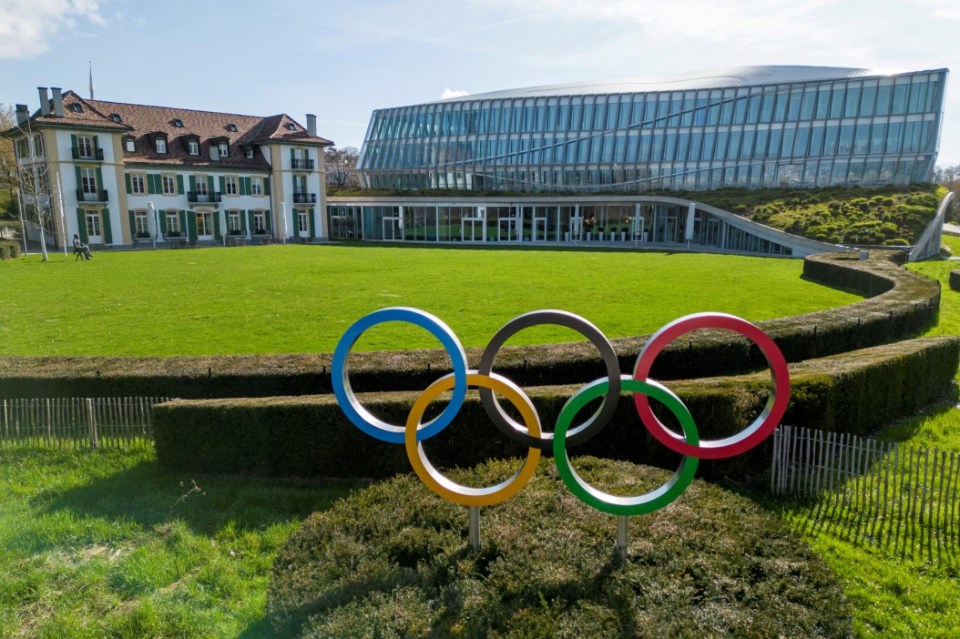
[750,436]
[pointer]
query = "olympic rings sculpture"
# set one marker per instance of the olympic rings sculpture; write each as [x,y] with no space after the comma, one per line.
[413,433]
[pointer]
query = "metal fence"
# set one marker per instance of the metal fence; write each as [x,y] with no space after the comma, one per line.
[905,498]
[77,422]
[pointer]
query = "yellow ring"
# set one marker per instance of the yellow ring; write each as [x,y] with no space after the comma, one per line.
[448,489]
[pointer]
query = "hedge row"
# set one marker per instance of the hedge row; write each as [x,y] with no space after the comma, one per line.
[9,250]
[955,280]
[854,392]
[904,305]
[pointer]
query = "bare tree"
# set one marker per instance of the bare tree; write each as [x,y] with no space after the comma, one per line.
[33,182]
[9,177]
[341,165]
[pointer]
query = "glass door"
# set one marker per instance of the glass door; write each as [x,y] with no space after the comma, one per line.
[94,228]
[392,227]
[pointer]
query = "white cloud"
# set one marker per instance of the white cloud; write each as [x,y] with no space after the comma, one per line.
[452,93]
[27,27]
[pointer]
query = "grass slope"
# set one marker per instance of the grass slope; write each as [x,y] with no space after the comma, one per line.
[288,299]
[108,544]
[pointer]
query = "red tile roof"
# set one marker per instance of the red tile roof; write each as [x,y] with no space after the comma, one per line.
[142,122]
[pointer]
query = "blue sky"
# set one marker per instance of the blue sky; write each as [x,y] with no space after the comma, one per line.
[343,59]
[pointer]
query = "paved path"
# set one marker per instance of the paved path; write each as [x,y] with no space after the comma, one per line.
[951,229]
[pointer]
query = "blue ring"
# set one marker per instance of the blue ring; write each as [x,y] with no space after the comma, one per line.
[361,417]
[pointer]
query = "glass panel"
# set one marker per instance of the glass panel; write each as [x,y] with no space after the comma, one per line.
[807,106]
[861,139]
[845,144]
[853,102]
[837,96]
[823,104]
[868,100]
[816,141]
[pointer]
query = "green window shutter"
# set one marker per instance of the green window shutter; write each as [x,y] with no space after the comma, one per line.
[223,184]
[266,221]
[266,185]
[151,185]
[79,179]
[96,144]
[163,222]
[313,226]
[82,226]
[99,178]
[243,220]
[180,184]
[73,145]
[133,223]
[245,186]
[216,226]
[210,184]
[250,221]
[293,156]
[193,183]
[191,225]
[127,180]
[107,233]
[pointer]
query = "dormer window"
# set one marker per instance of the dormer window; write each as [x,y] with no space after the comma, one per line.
[177,122]
[249,152]
[193,147]
[130,145]
[291,127]
[232,128]
[116,118]
[160,145]
[76,107]
[224,149]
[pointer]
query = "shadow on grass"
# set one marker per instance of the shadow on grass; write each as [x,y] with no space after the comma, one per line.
[152,495]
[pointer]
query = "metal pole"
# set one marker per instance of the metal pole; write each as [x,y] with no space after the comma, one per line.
[474,514]
[63,221]
[622,522]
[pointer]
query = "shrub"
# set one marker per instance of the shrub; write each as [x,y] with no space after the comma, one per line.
[955,280]
[309,436]
[9,250]
[391,560]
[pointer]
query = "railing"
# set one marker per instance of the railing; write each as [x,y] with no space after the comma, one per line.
[902,498]
[304,198]
[203,198]
[300,163]
[96,196]
[77,422]
[97,155]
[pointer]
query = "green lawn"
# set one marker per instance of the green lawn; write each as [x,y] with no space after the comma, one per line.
[110,544]
[289,299]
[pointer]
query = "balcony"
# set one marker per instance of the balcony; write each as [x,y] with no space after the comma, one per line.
[203,198]
[300,163]
[96,196]
[304,198]
[95,156]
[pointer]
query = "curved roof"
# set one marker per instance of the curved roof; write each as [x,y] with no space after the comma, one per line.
[715,79]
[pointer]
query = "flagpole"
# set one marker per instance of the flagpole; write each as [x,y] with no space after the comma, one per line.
[63,222]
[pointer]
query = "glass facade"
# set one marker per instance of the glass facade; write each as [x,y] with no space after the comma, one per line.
[751,127]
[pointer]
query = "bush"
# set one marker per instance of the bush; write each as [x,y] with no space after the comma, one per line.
[902,306]
[309,436]
[392,560]
[955,280]
[9,250]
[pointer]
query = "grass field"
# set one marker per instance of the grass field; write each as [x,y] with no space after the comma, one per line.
[289,299]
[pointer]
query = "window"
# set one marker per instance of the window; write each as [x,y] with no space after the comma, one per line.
[224,149]
[303,223]
[160,145]
[168,184]
[233,222]
[201,185]
[231,185]
[130,144]
[140,226]
[259,222]
[177,122]
[137,184]
[84,147]
[116,118]
[290,126]
[173,223]
[88,180]
[38,145]
[204,225]
[193,147]
[256,186]
[232,128]
[23,148]
[76,107]
[249,152]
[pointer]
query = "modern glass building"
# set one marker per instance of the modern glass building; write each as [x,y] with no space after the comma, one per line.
[754,127]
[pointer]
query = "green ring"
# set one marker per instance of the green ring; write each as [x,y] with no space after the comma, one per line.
[613,504]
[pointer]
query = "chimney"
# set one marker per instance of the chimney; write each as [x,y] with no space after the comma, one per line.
[23,114]
[44,101]
[311,125]
[57,102]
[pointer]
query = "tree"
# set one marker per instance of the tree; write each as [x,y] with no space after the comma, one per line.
[9,178]
[32,181]
[341,165]
[949,176]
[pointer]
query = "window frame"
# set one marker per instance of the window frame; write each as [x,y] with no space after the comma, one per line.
[231,185]
[167,179]
[138,184]
[256,186]
[160,145]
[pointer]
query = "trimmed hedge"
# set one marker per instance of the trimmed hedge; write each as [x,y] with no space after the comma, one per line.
[9,250]
[955,280]
[854,392]
[905,304]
